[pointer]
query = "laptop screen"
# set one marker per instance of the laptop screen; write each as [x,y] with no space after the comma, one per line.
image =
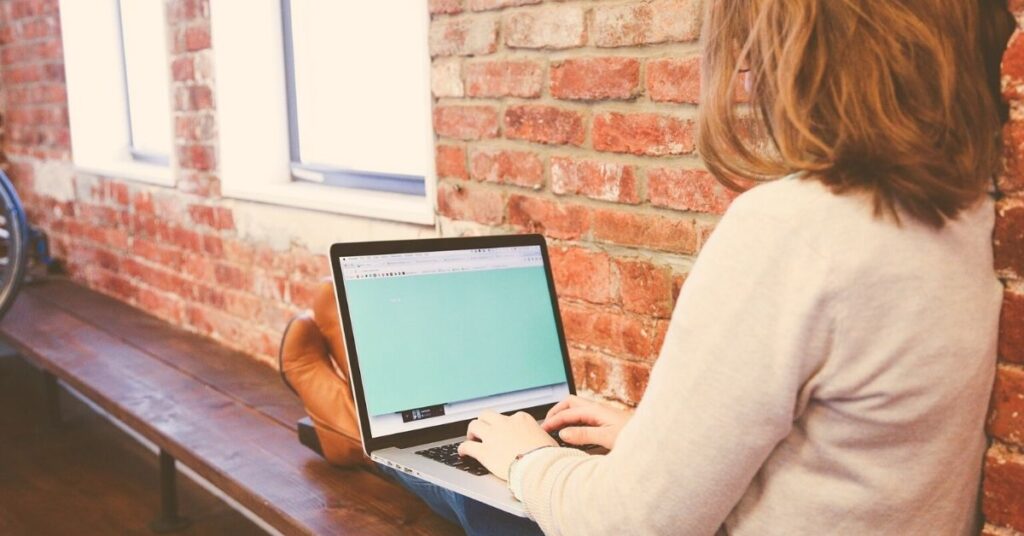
[442,335]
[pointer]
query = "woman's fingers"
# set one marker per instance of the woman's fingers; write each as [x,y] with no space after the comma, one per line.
[470,448]
[572,416]
[562,405]
[477,430]
[585,435]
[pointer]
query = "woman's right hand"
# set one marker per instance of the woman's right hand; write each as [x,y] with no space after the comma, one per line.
[582,422]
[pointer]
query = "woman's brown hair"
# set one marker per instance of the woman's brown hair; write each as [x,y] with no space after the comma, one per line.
[897,98]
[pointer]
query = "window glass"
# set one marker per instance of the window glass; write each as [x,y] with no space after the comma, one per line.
[354,110]
[144,41]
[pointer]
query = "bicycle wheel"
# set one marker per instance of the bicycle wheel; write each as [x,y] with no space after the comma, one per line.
[13,243]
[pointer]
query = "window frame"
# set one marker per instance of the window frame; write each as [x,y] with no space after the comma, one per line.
[93,55]
[256,150]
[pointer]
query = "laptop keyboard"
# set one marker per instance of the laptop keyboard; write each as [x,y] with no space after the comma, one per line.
[449,455]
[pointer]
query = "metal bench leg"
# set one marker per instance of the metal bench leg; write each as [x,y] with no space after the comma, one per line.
[51,392]
[169,520]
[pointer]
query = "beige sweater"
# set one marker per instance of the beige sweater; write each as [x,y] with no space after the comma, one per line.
[825,372]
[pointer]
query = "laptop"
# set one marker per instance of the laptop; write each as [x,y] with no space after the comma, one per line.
[437,330]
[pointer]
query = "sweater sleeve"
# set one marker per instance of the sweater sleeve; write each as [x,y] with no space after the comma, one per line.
[751,325]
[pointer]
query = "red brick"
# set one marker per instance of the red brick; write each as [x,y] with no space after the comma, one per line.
[188,10]
[485,5]
[115,285]
[504,78]
[156,252]
[201,214]
[448,7]
[1006,414]
[212,216]
[450,161]
[674,80]
[582,274]
[677,285]
[207,295]
[23,75]
[106,259]
[303,292]
[591,370]
[242,304]
[195,128]
[244,253]
[197,38]
[645,288]
[466,122]
[688,189]
[551,26]
[1013,68]
[649,231]
[200,157]
[646,22]
[1008,237]
[521,168]
[1002,502]
[231,276]
[118,193]
[544,124]
[595,78]
[634,377]
[304,264]
[557,220]
[592,178]
[1012,178]
[268,285]
[198,183]
[1011,328]
[446,78]
[183,68]
[643,134]
[192,98]
[461,202]
[610,331]
[466,36]
[160,304]
[199,268]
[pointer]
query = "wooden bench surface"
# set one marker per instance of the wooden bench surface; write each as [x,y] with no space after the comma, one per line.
[215,410]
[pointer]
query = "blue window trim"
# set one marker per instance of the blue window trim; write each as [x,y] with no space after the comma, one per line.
[323,174]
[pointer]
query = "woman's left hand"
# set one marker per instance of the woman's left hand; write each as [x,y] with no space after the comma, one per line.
[495,440]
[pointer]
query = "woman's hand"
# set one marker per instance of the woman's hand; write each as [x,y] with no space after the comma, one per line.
[495,440]
[583,422]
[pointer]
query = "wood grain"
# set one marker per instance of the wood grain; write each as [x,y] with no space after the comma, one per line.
[226,418]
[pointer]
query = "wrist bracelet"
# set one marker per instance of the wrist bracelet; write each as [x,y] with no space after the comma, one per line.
[518,457]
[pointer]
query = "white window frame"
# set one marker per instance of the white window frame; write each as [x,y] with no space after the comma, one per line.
[252,120]
[97,95]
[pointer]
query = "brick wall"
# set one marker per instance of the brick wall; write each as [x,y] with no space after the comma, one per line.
[1003,486]
[573,118]
[576,120]
[171,251]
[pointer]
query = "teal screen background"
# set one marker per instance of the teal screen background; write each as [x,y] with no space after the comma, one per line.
[440,338]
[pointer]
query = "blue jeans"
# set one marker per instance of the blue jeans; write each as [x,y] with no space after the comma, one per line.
[475,517]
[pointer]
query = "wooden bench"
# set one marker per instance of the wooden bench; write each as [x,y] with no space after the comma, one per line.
[216,411]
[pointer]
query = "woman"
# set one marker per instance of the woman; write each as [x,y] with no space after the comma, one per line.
[830,358]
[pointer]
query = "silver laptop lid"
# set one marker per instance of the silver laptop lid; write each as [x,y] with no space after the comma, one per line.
[439,330]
